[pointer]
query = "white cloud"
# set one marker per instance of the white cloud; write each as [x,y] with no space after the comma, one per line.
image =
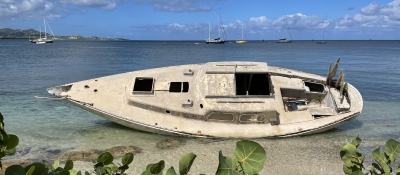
[372,17]
[179,5]
[27,9]
[104,4]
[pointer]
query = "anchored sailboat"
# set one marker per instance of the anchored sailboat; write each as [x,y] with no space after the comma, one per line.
[220,28]
[323,39]
[284,40]
[45,39]
[242,41]
[40,40]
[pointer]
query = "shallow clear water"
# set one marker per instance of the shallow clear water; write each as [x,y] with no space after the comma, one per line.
[47,128]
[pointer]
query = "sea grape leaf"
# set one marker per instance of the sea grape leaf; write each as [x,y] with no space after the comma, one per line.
[392,149]
[227,166]
[4,136]
[127,159]
[379,156]
[39,168]
[12,141]
[351,169]
[171,171]
[185,163]
[15,170]
[373,171]
[123,168]
[350,156]
[158,167]
[1,117]
[11,151]
[356,141]
[30,171]
[68,165]
[48,165]
[251,155]
[147,171]
[104,159]
[100,170]
[74,172]
[56,164]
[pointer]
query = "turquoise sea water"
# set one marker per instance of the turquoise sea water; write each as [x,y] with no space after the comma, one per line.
[47,128]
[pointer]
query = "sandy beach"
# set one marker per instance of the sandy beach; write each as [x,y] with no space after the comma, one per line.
[284,156]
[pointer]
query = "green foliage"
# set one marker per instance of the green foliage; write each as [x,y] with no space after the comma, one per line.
[185,163]
[227,165]
[105,166]
[251,156]
[353,160]
[16,169]
[250,159]
[8,142]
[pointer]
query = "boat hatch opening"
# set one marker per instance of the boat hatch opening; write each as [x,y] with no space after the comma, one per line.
[220,117]
[252,118]
[179,87]
[143,85]
[66,88]
[298,105]
[252,84]
[314,87]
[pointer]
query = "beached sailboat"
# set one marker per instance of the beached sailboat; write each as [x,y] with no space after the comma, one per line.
[284,40]
[242,41]
[220,30]
[219,99]
[323,39]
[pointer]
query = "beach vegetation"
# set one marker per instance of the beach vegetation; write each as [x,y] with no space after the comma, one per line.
[353,160]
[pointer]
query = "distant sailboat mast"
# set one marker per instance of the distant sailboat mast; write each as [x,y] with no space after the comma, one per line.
[209,31]
[219,27]
[289,29]
[44,22]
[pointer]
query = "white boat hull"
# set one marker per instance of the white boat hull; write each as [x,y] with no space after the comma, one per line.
[207,104]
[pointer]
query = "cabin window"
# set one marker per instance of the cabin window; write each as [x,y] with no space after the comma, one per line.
[252,84]
[221,117]
[143,85]
[314,87]
[252,118]
[179,87]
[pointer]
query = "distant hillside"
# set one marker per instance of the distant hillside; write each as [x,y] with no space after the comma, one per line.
[8,33]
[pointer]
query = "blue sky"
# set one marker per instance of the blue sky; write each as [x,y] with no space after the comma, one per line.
[188,19]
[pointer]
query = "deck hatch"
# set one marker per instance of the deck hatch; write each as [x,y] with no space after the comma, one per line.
[179,87]
[252,84]
[143,85]
[314,87]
